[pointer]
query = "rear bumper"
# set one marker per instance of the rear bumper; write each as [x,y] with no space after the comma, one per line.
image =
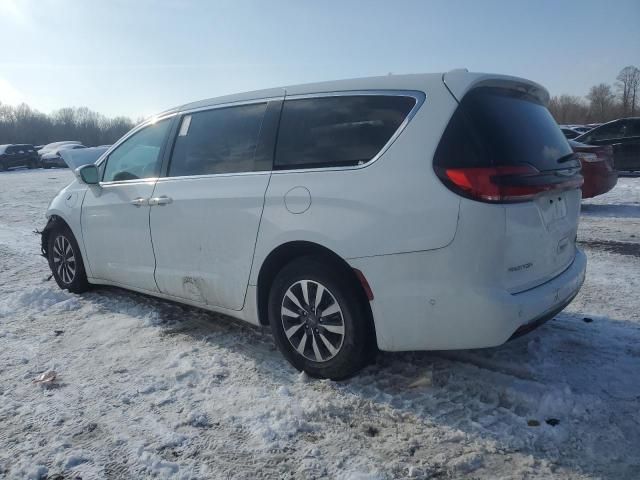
[544,318]
[420,304]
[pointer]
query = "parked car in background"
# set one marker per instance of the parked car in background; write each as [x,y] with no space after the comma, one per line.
[52,146]
[268,208]
[18,155]
[598,169]
[53,158]
[569,132]
[624,136]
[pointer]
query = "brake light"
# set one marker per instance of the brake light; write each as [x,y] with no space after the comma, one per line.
[513,183]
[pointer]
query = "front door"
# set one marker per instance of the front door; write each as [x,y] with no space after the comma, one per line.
[115,213]
[206,212]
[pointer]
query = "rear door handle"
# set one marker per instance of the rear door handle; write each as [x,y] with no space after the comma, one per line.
[138,202]
[163,200]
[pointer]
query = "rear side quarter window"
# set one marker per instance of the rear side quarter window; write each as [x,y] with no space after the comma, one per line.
[338,131]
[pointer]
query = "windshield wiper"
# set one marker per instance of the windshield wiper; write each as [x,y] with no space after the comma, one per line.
[566,158]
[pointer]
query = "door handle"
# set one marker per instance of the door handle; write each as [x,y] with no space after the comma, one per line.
[138,202]
[163,200]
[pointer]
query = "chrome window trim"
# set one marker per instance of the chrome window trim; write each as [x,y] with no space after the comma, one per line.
[212,175]
[417,95]
[129,182]
[239,103]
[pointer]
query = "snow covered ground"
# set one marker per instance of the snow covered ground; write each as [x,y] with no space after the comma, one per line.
[149,388]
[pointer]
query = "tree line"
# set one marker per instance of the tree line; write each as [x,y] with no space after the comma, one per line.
[604,102]
[22,124]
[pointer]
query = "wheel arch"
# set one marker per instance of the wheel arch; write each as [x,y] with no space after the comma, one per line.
[55,221]
[287,252]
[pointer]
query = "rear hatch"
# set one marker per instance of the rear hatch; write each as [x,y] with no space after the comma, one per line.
[502,147]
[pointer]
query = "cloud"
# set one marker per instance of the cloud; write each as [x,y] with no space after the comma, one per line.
[15,12]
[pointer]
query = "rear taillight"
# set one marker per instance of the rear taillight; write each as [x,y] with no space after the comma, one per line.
[513,183]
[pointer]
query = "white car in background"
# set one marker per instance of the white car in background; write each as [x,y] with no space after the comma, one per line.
[417,212]
[53,157]
[52,146]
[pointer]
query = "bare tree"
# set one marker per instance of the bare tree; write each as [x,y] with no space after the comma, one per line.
[22,124]
[628,82]
[567,109]
[602,102]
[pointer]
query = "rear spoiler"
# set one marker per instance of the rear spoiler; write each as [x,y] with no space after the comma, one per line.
[459,82]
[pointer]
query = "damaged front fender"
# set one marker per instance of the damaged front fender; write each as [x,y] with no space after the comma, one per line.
[44,234]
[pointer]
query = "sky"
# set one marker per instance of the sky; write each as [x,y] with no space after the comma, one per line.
[139,57]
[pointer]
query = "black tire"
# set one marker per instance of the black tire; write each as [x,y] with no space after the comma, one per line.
[3,167]
[357,343]
[69,275]
[31,165]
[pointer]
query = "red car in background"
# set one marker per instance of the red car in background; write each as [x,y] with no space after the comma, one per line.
[598,171]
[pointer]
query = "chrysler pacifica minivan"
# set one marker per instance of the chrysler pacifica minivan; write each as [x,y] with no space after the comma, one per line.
[417,212]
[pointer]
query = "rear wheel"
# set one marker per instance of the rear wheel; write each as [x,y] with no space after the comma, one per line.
[32,164]
[65,260]
[3,167]
[318,319]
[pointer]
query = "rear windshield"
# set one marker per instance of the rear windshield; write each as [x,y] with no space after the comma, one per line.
[494,127]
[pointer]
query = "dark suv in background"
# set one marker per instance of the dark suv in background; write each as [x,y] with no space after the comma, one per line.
[624,136]
[18,155]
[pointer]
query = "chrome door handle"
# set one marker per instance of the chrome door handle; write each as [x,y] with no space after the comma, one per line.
[138,202]
[163,200]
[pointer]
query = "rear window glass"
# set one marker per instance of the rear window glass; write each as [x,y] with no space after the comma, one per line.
[222,140]
[338,131]
[495,127]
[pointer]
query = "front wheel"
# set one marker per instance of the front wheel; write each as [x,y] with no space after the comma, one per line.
[65,260]
[318,319]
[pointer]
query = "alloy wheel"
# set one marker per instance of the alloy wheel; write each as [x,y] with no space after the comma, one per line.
[64,259]
[313,321]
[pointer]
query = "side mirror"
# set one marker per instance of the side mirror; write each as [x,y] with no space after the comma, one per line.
[89,174]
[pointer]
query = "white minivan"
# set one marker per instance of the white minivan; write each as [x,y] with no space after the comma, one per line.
[413,212]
